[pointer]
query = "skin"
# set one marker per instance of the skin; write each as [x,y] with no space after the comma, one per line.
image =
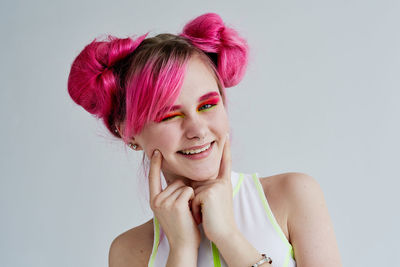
[191,128]
[201,191]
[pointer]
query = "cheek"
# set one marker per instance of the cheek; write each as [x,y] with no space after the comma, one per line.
[164,139]
[221,122]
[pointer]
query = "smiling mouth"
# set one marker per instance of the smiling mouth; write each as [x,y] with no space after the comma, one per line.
[196,151]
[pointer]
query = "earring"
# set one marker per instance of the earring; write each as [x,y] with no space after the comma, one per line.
[133,146]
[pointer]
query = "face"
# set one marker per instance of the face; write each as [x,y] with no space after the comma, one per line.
[191,137]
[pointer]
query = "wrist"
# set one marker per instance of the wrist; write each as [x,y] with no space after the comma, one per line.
[181,243]
[184,255]
[184,248]
[244,254]
[227,235]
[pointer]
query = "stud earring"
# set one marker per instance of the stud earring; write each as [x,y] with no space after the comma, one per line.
[133,146]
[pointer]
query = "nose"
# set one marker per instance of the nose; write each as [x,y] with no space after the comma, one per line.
[195,127]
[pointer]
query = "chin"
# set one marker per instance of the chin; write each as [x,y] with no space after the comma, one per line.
[201,175]
[193,174]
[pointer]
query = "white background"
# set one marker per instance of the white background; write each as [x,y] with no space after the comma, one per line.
[320,96]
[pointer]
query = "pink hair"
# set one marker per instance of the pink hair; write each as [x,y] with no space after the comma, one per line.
[209,33]
[132,81]
[147,97]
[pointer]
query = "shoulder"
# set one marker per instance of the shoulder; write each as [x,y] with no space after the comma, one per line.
[280,191]
[289,181]
[308,222]
[133,247]
[291,194]
[299,192]
[292,187]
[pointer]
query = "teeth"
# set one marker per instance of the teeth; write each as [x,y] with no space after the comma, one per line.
[196,151]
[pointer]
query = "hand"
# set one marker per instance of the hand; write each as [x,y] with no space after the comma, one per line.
[213,204]
[171,207]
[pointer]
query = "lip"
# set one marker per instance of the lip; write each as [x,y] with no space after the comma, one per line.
[196,147]
[200,155]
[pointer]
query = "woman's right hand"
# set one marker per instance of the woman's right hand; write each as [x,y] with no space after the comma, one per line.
[172,209]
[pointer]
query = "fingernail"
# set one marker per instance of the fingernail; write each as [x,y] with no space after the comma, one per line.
[156,153]
[227,136]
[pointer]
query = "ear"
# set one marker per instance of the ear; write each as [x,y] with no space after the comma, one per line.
[120,128]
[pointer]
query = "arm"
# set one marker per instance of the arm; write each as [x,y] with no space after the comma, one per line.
[238,252]
[309,224]
[183,256]
[213,206]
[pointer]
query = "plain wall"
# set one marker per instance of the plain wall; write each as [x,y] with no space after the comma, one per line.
[320,96]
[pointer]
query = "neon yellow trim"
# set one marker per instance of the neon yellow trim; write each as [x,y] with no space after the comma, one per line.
[237,187]
[289,253]
[156,242]
[271,216]
[217,261]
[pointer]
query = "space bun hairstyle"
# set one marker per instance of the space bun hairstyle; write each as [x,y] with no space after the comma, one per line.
[92,82]
[222,44]
[132,81]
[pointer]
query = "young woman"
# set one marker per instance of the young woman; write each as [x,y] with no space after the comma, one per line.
[165,95]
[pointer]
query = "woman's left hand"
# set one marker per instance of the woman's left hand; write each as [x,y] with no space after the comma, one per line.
[213,204]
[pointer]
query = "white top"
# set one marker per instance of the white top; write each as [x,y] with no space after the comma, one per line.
[254,219]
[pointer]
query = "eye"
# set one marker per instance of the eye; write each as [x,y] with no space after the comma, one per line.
[206,106]
[167,118]
[209,104]
[171,116]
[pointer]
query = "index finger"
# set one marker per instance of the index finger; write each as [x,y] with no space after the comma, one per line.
[154,174]
[225,166]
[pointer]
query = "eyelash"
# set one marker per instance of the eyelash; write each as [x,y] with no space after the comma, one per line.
[167,118]
[211,104]
[207,104]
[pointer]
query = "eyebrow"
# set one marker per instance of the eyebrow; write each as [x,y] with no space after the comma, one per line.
[202,98]
[208,95]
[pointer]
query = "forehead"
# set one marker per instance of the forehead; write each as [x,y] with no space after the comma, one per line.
[199,79]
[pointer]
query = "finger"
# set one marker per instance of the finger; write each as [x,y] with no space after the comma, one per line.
[196,184]
[172,187]
[154,174]
[171,193]
[199,189]
[186,195]
[226,161]
[197,209]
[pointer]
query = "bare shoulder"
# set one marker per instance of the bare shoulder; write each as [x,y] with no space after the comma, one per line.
[289,186]
[287,180]
[307,218]
[133,247]
[276,189]
[286,187]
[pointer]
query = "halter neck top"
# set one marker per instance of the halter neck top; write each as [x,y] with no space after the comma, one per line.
[254,219]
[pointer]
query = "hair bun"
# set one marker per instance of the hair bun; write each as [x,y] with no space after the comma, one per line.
[91,80]
[209,33]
